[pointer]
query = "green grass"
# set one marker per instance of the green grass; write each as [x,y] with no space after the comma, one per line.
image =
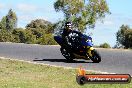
[17,74]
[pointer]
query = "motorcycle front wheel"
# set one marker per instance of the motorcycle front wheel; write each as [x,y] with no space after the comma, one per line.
[96,58]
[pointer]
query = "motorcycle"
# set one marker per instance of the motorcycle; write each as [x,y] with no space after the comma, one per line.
[78,47]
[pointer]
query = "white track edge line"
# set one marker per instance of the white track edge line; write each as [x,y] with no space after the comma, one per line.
[55,65]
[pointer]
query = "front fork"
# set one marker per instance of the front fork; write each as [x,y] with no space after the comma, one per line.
[89,49]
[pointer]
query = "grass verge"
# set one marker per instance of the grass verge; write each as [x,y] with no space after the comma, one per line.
[18,74]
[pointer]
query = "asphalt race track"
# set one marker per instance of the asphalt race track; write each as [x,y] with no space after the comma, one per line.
[113,60]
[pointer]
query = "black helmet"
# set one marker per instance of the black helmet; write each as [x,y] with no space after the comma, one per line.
[68,25]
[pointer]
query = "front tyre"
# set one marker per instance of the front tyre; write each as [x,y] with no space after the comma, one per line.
[96,58]
[66,54]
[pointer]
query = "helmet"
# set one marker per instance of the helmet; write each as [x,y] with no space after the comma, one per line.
[68,25]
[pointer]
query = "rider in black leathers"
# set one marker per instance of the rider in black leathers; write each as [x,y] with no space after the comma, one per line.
[67,40]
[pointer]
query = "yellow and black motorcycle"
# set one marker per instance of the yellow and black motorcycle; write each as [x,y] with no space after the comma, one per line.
[79,47]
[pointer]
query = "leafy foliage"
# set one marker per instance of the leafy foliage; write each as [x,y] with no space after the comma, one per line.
[124,37]
[46,39]
[105,45]
[3,23]
[9,22]
[33,36]
[82,13]
[37,31]
[41,24]
[6,36]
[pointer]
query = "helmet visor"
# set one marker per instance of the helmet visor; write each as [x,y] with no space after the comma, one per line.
[68,26]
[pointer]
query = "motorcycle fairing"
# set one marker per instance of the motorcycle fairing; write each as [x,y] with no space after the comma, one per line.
[58,39]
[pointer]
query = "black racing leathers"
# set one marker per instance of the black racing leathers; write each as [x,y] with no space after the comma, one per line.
[69,41]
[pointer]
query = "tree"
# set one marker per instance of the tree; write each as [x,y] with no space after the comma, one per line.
[82,13]
[124,37]
[30,38]
[38,33]
[20,35]
[105,45]
[9,22]
[6,36]
[0,25]
[47,39]
[41,24]
[3,23]
[24,36]
[128,38]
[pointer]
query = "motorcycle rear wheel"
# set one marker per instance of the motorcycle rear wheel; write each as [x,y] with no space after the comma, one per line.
[66,54]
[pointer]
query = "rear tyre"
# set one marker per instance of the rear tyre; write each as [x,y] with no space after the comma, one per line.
[67,55]
[96,58]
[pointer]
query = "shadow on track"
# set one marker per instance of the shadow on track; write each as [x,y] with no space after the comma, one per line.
[60,60]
